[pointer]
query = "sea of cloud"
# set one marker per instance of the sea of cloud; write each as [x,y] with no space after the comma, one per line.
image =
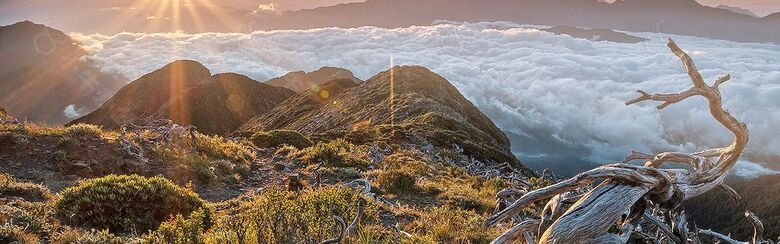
[558,97]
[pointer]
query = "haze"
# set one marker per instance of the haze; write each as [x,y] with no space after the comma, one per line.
[195,16]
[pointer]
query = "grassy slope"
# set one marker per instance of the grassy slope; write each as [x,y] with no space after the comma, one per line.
[441,202]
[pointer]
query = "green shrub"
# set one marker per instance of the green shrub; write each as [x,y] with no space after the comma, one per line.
[182,229]
[16,234]
[278,138]
[278,216]
[447,225]
[84,130]
[336,153]
[33,216]
[124,204]
[10,187]
[397,181]
[216,159]
[86,237]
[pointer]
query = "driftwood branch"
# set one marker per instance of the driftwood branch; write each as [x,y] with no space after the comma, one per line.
[719,236]
[758,227]
[626,189]
[518,230]
[342,228]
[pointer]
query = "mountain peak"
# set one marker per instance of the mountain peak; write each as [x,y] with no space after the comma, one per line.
[300,81]
[737,10]
[147,94]
[424,109]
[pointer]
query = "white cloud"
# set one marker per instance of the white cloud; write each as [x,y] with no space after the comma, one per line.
[560,90]
[73,112]
[750,170]
[267,8]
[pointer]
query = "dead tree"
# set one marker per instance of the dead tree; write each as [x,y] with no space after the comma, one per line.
[150,131]
[342,228]
[626,189]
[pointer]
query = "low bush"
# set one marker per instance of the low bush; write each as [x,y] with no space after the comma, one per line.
[10,187]
[278,216]
[84,130]
[447,225]
[16,234]
[182,229]
[397,181]
[279,138]
[336,153]
[33,216]
[124,204]
[86,237]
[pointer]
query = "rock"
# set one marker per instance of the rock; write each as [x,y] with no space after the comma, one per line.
[72,177]
[132,166]
[279,166]
[82,168]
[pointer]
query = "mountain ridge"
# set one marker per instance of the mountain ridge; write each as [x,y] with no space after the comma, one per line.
[668,16]
[300,81]
[426,109]
[43,73]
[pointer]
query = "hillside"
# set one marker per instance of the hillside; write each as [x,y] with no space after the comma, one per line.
[223,102]
[301,81]
[717,211]
[42,73]
[737,10]
[185,92]
[426,108]
[144,96]
[595,34]
[62,183]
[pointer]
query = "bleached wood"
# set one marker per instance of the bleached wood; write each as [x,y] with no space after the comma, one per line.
[517,231]
[342,228]
[719,236]
[626,188]
[758,227]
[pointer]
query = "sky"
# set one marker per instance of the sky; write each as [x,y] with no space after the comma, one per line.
[75,15]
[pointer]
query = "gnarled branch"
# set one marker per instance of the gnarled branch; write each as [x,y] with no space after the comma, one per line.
[624,185]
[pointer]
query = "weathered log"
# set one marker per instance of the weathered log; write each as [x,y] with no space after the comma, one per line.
[360,212]
[625,186]
[722,237]
[758,227]
[366,185]
[517,231]
[342,228]
[661,226]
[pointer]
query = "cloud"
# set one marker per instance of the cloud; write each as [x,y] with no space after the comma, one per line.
[266,8]
[73,112]
[563,97]
[750,170]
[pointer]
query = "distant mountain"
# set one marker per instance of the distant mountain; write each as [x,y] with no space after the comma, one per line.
[300,110]
[426,108]
[43,77]
[737,10]
[595,34]
[224,102]
[301,81]
[775,18]
[717,211]
[144,96]
[683,17]
[186,92]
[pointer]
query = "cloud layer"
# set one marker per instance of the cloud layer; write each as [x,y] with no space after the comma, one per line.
[557,96]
